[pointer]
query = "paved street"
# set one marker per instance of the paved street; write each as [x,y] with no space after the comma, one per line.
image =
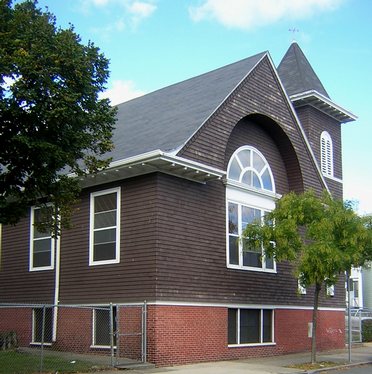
[364,369]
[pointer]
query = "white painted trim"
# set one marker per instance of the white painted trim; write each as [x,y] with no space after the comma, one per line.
[31,245]
[57,241]
[333,178]
[242,306]
[250,345]
[318,95]
[116,260]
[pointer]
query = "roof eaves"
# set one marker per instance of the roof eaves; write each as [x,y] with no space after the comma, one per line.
[324,104]
[150,162]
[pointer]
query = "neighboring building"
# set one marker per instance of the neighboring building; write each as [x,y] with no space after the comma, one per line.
[194,162]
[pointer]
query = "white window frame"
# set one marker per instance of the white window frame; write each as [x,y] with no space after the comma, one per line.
[326,154]
[93,195]
[33,239]
[34,322]
[246,195]
[260,343]
[94,344]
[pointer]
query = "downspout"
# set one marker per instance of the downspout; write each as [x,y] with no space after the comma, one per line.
[56,285]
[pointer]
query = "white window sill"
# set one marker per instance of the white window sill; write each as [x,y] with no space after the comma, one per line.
[37,343]
[105,347]
[42,268]
[107,262]
[247,268]
[250,345]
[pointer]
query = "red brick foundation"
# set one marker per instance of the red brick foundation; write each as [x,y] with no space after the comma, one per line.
[186,334]
[181,334]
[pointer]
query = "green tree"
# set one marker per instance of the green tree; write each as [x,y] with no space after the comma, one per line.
[322,238]
[51,119]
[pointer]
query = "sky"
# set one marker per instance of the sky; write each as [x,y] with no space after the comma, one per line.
[154,43]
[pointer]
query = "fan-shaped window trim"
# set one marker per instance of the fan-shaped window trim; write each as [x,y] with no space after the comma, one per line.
[326,154]
[249,168]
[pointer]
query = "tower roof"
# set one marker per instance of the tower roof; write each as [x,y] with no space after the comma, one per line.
[297,75]
[305,88]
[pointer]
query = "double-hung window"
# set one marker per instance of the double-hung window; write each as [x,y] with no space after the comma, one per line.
[250,326]
[104,245]
[41,242]
[250,193]
[103,327]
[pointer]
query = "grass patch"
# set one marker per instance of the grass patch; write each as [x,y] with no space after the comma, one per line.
[317,365]
[13,362]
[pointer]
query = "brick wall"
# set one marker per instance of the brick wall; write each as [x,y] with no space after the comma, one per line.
[185,334]
[18,320]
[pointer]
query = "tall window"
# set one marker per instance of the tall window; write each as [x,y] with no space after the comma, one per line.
[41,242]
[250,195]
[42,325]
[105,227]
[326,154]
[102,327]
[250,326]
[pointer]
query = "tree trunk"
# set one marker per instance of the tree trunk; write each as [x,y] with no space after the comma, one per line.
[318,287]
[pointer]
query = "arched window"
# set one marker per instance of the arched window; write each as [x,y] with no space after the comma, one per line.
[250,192]
[249,167]
[326,154]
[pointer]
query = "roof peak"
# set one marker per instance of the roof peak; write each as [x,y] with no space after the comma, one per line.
[297,74]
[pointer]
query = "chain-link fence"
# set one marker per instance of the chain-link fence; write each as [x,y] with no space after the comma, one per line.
[70,338]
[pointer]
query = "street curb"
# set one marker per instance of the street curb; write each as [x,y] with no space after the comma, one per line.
[336,367]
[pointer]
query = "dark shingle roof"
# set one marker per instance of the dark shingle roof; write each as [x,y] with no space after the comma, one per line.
[296,73]
[167,118]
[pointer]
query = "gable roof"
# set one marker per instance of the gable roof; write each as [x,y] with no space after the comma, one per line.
[297,75]
[165,119]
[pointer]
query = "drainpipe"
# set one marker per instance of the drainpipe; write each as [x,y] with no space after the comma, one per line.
[56,287]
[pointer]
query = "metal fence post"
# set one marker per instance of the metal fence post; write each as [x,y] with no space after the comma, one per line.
[112,334]
[42,341]
[144,332]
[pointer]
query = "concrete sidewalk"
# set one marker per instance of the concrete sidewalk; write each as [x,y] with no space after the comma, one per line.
[266,365]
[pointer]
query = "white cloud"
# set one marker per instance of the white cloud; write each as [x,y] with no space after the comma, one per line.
[247,14]
[121,91]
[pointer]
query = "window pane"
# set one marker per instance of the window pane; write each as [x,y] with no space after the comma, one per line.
[235,170]
[233,250]
[42,245]
[38,325]
[266,180]
[252,258]
[249,326]
[105,251]
[105,219]
[256,181]
[232,326]
[249,215]
[247,178]
[245,158]
[41,259]
[267,326]
[105,202]
[233,218]
[258,162]
[39,217]
[105,236]
[269,263]
[102,326]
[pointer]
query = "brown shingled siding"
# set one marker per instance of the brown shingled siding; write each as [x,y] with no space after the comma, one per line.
[192,253]
[17,283]
[259,93]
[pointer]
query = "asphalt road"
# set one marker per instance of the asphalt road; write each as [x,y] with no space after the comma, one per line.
[363,369]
